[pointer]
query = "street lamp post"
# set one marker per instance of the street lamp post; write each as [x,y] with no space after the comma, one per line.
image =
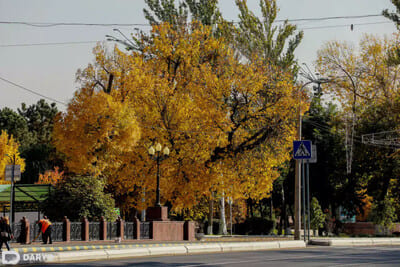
[299,167]
[155,154]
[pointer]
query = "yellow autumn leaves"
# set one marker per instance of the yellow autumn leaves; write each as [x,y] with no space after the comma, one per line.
[228,124]
[9,150]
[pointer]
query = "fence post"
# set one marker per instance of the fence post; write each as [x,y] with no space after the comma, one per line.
[120,228]
[103,229]
[66,229]
[85,229]
[24,238]
[189,231]
[136,228]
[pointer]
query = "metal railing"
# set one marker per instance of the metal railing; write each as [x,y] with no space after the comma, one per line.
[145,230]
[16,230]
[34,230]
[129,230]
[112,228]
[76,231]
[57,231]
[94,231]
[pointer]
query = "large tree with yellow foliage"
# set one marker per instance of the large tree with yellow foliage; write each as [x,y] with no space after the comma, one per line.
[9,151]
[227,123]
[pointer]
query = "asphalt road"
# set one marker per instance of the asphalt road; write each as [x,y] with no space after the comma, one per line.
[311,256]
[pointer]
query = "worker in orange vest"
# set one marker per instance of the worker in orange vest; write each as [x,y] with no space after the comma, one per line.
[45,227]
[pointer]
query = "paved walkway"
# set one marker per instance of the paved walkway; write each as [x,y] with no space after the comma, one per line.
[109,244]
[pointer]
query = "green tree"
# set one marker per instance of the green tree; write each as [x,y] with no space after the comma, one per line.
[32,126]
[328,183]
[383,213]
[394,16]
[317,216]
[260,37]
[40,119]
[166,11]
[40,154]
[79,196]
[394,53]
[16,125]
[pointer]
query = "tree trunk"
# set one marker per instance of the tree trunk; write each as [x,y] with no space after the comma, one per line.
[210,215]
[222,222]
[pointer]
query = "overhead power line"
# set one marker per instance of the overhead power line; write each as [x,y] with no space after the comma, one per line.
[33,92]
[55,24]
[55,43]
[345,25]
[89,42]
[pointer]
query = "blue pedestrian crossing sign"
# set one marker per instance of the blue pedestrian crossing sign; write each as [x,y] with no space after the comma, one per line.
[302,149]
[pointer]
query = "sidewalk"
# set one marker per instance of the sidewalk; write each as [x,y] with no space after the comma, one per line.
[144,243]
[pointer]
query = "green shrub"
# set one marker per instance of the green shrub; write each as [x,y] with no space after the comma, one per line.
[79,196]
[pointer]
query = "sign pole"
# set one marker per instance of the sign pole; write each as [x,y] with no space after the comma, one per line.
[297,200]
[304,199]
[12,193]
[308,199]
[301,151]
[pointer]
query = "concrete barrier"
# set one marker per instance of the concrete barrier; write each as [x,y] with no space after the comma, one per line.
[126,253]
[292,244]
[382,241]
[265,245]
[395,241]
[203,248]
[362,241]
[248,246]
[346,242]
[168,250]
[343,242]
[73,256]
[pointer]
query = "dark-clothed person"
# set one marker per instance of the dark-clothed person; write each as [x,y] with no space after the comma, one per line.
[5,232]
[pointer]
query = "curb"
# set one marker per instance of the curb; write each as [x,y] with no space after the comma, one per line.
[352,242]
[89,247]
[174,249]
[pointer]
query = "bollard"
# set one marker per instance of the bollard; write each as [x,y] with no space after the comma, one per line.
[66,229]
[85,229]
[136,229]
[103,228]
[120,228]
[24,238]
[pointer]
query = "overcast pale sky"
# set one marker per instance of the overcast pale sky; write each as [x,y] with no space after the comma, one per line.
[50,69]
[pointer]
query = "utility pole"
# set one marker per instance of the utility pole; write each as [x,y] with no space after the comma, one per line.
[297,191]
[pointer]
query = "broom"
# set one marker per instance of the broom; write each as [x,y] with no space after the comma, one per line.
[35,238]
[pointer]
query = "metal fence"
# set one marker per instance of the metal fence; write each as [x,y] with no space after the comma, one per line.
[145,230]
[16,230]
[34,230]
[129,230]
[112,228]
[94,231]
[57,231]
[76,231]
